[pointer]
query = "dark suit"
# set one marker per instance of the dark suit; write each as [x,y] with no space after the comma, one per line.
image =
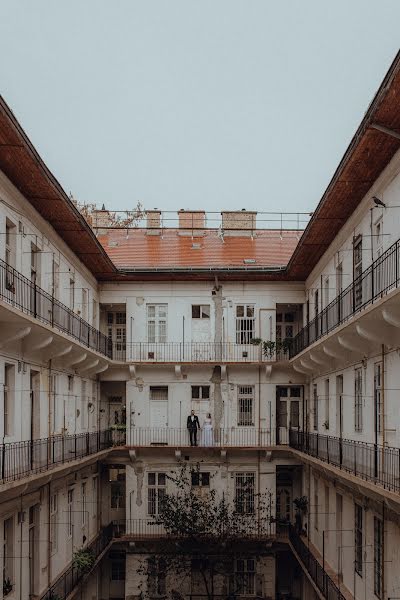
[193,425]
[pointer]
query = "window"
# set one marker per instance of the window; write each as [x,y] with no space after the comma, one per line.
[10,243]
[117,566]
[378,557]
[200,479]
[9,387]
[84,504]
[94,312]
[327,396]
[71,294]
[378,397]
[56,279]
[200,311]
[358,399]
[157,323]
[339,279]
[316,504]
[84,405]
[245,572]
[200,392]
[326,291]
[70,509]
[283,504]
[116,333]
[357,271]
[35,264]
[84,307]
[315,407]
[245,405]
[53,523]
[245,323]
[117,487]
[358,539]
[94,497]
[156,490]
[8,550]
[157,574]
[244,493]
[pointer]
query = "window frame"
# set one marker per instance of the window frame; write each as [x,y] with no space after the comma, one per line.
[245,325]
[245,414]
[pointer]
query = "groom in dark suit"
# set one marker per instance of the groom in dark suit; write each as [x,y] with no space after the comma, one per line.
[193,425]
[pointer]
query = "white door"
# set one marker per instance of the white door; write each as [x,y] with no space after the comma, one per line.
[158,415]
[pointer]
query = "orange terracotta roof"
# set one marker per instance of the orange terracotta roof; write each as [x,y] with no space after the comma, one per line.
[142,249]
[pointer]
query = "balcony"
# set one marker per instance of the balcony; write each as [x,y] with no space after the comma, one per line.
[380,278]
[20,293]
[65,585]
[22,459]
[194,352]
[232,437]
[249,527]
[372,462]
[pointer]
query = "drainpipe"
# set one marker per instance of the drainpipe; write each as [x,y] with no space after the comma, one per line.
[48,538]
[20,549]
[49,400]
[383,408]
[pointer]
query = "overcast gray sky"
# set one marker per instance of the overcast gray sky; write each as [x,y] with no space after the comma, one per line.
[194,104]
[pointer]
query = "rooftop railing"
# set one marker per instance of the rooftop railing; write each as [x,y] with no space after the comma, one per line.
[373,462]
[68,581]
[32,300]
[234,437]
[194,352]
[21,459]
[377,280]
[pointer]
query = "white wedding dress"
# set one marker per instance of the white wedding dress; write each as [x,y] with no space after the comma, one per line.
[207,434]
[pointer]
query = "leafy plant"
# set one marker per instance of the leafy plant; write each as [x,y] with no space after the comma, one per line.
[119,427]
[255,341]
[83,559]
[301,504]
[7,586]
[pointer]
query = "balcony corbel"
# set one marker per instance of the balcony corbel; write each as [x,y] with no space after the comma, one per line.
[132,371]
[41,344]
[331,353]
[318,360]
[300,370]
[90,365]
[369,335]
[351,346]
[268,371]
[62,351]
[77,359]
[391,317]
[178,371]
[306,366]
[12,333]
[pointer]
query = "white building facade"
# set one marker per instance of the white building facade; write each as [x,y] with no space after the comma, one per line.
[284,344]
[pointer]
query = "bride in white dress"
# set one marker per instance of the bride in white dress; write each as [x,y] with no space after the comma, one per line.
[208,433]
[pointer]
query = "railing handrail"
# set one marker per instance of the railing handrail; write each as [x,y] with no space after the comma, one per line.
[319,324]
[88,335]
[67,581]
[376,463]
[29,457]
[320,577]
[218,437]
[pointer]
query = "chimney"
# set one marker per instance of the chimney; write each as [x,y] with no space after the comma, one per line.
[239,222]
[153,221]
[100,219]
[191,221]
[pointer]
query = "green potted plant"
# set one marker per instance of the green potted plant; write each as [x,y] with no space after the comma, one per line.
[7,586]
[83,559]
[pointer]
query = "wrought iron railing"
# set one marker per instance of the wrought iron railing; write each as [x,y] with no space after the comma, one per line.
[378,279]
[68,581]
[239,437]
[21,459]
[373,462]
[320,577]
[32,300]
[195,352]
[246,527]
